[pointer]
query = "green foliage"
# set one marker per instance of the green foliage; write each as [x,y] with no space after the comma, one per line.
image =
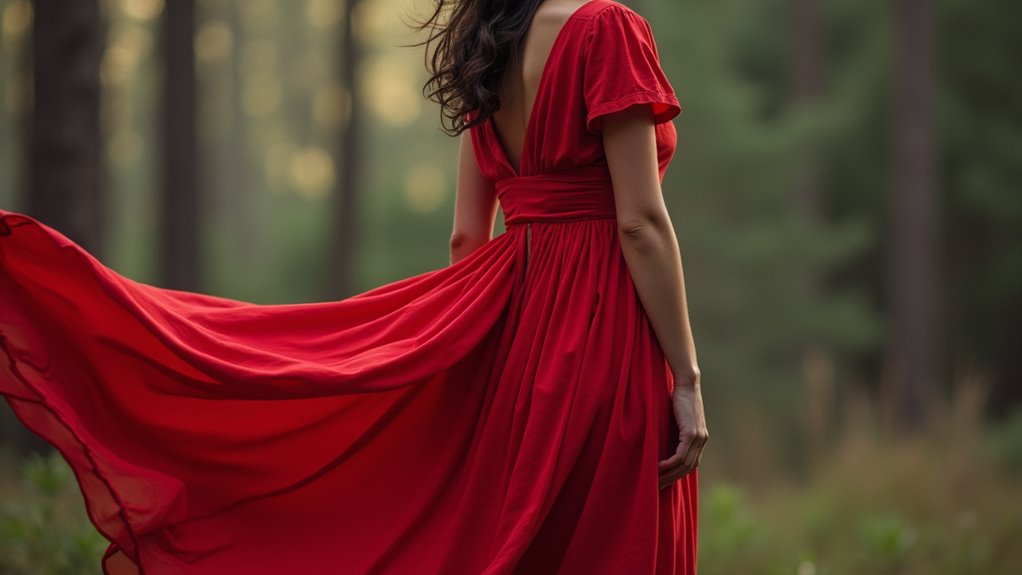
[935,503]
[46,532]
[769,284]
[887,540]
[759,264]
[768,281]
[1005,442]
[980,169]
[736,532]
[824,529]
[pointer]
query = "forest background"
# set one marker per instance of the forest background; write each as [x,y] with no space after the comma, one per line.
[845,193]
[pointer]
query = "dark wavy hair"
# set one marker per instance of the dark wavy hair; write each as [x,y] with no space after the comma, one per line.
[467,53]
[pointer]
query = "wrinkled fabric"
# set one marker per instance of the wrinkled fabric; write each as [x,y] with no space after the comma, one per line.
[501,415]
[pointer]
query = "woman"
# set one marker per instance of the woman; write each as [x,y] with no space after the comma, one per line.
[532,408]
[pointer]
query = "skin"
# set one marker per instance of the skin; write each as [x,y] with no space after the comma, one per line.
[651,251]
[475,204]
[648,242]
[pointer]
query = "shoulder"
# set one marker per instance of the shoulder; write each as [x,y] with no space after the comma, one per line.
[610,11]
[612,21]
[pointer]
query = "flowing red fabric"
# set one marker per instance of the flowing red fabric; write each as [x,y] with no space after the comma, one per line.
[501,415]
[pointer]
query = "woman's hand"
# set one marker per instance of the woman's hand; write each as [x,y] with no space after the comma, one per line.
[688,412]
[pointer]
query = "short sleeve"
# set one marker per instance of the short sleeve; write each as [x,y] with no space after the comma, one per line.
[622,68]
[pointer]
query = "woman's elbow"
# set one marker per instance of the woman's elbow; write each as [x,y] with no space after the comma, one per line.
[639,227]
[466,242]
[458,241]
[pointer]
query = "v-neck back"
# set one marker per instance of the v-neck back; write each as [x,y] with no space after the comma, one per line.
[602,59]
[548,65]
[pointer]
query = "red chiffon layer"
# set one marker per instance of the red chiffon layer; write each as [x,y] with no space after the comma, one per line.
[487,417]
[501,415]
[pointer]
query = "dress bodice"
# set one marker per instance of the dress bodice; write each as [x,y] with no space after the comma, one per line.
[603,59]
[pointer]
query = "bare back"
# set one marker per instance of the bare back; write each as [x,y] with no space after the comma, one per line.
[521,79]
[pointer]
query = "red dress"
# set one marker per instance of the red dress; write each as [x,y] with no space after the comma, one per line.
[502,415]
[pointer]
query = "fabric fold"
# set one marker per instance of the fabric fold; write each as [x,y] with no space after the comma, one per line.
[157,396]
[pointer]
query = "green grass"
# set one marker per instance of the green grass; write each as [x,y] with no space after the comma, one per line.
[43,526]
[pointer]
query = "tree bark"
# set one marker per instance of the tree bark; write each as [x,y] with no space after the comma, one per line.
[180,215]
[805,83]
[64,173]
[912,259]
[64,176]
[342,251]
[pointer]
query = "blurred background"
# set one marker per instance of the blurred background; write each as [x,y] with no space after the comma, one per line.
[845,193]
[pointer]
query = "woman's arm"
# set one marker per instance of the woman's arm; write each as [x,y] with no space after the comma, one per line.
[651,251]
[647,234]
[475,204]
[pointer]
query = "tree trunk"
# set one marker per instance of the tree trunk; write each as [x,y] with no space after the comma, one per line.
[180,214]
[64,188]
[805,83]
[342,251]
[912,258]
[64,174]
